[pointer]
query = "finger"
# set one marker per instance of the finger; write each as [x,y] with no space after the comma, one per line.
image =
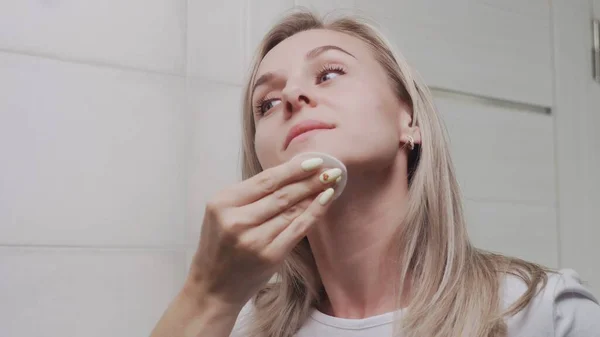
[289,237]
[282,199]
[270,180]
[261,236]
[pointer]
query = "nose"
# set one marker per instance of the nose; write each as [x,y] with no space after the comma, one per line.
[295,98]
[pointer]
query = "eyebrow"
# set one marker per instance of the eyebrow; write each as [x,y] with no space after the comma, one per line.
[320,50]
[267,77]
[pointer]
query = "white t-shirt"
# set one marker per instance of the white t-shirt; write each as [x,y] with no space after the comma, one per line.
[564,308]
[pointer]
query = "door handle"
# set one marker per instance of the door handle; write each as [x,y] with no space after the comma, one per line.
[596,50]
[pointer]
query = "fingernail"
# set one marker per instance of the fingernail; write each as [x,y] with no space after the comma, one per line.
[330,175]
[311,164]
[326,196]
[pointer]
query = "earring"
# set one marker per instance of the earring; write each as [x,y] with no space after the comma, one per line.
[411,142]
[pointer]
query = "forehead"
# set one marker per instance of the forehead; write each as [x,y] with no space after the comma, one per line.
[292,50]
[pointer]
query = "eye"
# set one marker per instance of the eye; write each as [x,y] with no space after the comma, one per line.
[329,72]
[265,104]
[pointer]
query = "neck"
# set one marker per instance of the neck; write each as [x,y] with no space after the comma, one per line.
[351,244]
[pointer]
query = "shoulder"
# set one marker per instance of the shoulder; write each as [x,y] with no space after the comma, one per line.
[242,323]
[564,307]
[560,283]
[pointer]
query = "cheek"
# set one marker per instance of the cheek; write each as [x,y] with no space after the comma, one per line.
[260,145]
[370,116]
[265,146]
[368,109]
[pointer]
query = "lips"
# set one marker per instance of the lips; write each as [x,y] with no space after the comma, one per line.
[305,126]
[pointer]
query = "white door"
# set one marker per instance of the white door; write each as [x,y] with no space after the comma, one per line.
[577,118]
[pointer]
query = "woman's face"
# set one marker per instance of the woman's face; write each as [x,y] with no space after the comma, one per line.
[329,81]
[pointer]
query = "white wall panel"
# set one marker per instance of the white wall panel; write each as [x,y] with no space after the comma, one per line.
[501,153]
[216,145]
[529,8]
[472,46]
[75,292]
[327,7]
[262,16]
[526,231]
[146,34]
[90,155]
[216,40]
[504,158]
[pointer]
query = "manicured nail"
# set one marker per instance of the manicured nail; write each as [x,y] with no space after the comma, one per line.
[311,164]
[326,196]
[330,175]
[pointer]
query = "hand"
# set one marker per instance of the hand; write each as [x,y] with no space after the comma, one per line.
[249,228]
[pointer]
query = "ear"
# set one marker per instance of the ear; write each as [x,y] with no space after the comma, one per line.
[407,128]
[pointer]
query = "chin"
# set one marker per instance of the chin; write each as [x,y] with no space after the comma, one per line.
[312,146]
[317,142]
[347,151]
[339,152]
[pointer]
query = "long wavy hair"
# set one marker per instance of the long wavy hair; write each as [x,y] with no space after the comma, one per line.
[455,288]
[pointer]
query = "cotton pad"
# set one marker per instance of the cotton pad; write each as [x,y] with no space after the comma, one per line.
[329,162]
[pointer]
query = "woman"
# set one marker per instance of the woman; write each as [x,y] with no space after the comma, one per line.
[391,254]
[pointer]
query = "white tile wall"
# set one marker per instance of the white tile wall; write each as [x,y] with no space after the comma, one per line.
[146,34]
[83,292]
[90,155]
[463,45]
[501,153]
[504,159]
[327,7]
[261,17]
[534,8]
[216,155]
[216,41]
[525,231]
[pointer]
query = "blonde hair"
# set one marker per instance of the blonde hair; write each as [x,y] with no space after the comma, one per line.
[454,287]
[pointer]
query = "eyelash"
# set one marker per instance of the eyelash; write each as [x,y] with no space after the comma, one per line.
[325,69]
[260,103]
[330,68]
